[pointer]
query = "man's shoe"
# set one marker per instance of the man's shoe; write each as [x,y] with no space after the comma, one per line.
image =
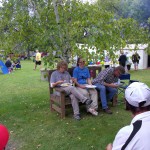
[88,101]
[92,111]
[107,111]
[77,117]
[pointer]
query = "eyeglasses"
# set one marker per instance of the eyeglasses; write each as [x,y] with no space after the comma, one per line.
[81,61]
[63,68]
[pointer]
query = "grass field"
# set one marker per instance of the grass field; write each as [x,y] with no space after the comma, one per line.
[24,109]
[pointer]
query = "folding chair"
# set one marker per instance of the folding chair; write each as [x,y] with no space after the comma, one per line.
[125,82]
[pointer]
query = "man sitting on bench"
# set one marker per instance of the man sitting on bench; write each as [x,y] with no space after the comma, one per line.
[105,82]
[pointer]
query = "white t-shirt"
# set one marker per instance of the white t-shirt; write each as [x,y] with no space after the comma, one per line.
[141,141]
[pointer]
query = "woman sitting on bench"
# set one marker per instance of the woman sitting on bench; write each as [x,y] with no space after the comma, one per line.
[82,80]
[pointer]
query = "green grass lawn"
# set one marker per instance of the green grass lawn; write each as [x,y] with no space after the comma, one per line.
[24,109]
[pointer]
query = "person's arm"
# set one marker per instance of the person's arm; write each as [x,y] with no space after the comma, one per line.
[77,84]
[111,85]
[119,58]
[132,58]
[121,137]
[56,83]
[53,81]
[109,147]
[75,76]
[125,57]
[102,76]
[89,81]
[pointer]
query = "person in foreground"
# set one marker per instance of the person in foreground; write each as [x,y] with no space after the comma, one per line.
[136,135]
[61,76]
[82,78]
[105,83]
[4,137]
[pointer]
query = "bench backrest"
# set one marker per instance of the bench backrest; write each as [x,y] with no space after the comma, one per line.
[94,70]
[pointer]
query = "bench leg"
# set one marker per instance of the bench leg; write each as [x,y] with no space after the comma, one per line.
[115,100]
[62,107]
[51,103]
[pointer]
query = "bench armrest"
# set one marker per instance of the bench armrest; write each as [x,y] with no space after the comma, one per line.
[59,89]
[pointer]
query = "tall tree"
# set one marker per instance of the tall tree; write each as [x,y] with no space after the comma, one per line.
[56,26]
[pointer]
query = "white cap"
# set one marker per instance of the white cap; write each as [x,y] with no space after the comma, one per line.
[136,93]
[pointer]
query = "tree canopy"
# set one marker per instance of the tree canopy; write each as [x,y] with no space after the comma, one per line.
[56,26]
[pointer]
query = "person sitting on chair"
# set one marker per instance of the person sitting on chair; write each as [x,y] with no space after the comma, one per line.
[105,82]
[17,63]
[82,78]
[9,64]
[136,135]
[61,76]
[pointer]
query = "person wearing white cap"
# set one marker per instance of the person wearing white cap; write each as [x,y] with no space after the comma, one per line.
[135,136]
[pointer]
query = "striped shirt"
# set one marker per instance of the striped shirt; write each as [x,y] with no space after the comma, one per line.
[106,76]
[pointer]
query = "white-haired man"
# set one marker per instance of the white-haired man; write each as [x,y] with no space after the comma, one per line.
[136,135]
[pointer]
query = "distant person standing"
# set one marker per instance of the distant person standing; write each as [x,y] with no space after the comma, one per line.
[37,59]
[107,61]
[135,60]
[122,59]
[128,64]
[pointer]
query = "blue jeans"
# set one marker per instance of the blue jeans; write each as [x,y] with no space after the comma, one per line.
[104,96]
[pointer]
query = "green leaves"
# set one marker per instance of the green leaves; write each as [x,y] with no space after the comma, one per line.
[59,26]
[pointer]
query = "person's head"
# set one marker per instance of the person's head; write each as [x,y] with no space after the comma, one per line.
[80,62]
[62,66]
[119,71]
[8,58]
[37,51]
[122,52]
[137,97]
[4,136]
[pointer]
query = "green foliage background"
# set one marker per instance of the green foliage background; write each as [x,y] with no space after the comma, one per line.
[59,25]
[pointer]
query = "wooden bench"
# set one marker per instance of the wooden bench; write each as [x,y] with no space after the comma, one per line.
[58,100]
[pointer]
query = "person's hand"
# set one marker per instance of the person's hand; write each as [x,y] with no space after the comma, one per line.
[82,86]
[73,79]
[60,81]
[114,85]
[109,147]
